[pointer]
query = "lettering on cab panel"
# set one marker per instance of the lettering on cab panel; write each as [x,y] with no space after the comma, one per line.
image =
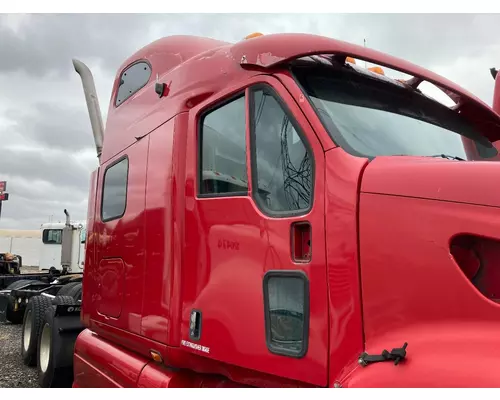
[228,244]
[195,346]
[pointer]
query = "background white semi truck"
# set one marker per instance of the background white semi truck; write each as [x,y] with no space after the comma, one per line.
[42,248]
[52,254]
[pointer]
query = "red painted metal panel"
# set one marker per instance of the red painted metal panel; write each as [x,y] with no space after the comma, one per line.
[99,363]
[342,179]
[434,178]
[227,283]
[159,212]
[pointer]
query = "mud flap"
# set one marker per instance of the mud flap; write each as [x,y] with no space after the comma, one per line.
[68,326]
[65,324]
[4,302]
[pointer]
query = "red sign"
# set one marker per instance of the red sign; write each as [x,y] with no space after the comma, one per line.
[3,186]
[4,196]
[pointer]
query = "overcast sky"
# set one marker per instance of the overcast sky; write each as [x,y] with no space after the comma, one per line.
[47,148]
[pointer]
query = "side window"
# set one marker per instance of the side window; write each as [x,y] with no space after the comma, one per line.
[114,193]
[223,150]
[52,236]
[132,79]
[286,299]
[83,235]
[283,164]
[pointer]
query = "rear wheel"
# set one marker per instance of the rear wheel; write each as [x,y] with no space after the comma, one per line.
[63,300]
[65,290]
[20,283]
[76,291]
[49,374]
[32,325]
[12,315]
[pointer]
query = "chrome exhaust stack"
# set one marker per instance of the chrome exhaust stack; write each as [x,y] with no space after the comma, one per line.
[92,104]
[68,220]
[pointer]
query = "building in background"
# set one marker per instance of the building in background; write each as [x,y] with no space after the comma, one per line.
[26,243]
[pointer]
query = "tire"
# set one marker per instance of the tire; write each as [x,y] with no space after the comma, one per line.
[32,325]
[20,283]
[65,300]
[64,291]
[76,291]
[50,376]
[16,317]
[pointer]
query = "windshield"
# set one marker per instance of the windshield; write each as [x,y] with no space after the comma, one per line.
[370,118]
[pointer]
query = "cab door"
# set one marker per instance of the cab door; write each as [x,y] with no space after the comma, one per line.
[254,272]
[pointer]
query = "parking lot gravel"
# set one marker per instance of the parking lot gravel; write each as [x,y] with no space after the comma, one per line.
[13,373]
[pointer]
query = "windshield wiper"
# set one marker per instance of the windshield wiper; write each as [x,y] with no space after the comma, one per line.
[448,157]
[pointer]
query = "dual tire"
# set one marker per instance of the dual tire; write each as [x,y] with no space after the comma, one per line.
[73,289]
[42,345]
[51,344]
[32,327]
[34,318]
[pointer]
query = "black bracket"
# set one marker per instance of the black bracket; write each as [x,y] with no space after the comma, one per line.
[395,355]
[161,89]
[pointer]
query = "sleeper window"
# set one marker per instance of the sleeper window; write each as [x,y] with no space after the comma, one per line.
[132,79]
[114,197]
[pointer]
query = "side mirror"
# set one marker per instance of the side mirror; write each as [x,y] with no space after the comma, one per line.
[496,90]
[494,72]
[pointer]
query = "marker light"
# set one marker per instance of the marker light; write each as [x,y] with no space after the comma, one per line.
[377,70]
[253,35]
[156,356]
[351,60]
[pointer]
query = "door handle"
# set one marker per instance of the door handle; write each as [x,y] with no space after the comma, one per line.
[301,242]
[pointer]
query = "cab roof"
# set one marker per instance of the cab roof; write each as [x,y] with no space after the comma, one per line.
[192,66]
[269,51]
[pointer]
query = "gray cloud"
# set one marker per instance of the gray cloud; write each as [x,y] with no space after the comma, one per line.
[44,129]
[57,168]
[47,43]
[55,126]
[427,39]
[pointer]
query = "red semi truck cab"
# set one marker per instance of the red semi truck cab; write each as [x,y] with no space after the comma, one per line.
[268,213]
